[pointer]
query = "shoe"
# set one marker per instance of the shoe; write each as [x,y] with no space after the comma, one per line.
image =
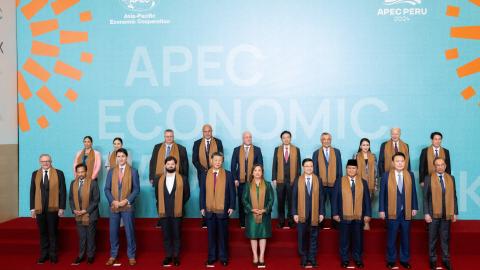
[390,265]
[203,224]
[111,261]
[242,227]
[159,224]
[344,264]
[42,260]
[280,224]
[77,261]
[261,265]
[359,264]
[405,265]
[314,264]
[210,263]
[447,265]
[291,224]
[54,259]
[176,261]
[90,260]
[224,263]
[303,263]
[433,265]
[132,261]
[167,261]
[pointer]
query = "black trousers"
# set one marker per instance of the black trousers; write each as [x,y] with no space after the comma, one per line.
[241,211]
[48,226]
[284,196]
[171,228]
[439,228]
[86,235]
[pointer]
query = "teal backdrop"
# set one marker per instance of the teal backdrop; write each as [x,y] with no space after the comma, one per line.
[352,68]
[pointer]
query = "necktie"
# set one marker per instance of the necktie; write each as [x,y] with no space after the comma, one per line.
[45,178]
[207,152]
[214,181]
[327,154]
[400,183]
[396,147]
[436,153]
[286,154]
[352,187]
[246,152]
[442,183]
[309,186]
[80,193]
[120,176]
[168,150]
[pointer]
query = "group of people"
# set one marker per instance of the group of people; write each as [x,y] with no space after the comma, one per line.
[303,188]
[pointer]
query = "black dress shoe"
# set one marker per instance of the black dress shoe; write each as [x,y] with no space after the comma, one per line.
[42,260]
[344,264]
[176,261]
[359,264]
[54,259]
[77,261]
[433,265]
[210,263]
[224,263]
[405,265]
[280,224]
[90,260]
[159,224]
[390,265]
[167,261]
[447,265]
[314,264]
[303,263]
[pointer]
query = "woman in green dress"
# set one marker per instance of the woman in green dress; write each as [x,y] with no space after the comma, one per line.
[258,203]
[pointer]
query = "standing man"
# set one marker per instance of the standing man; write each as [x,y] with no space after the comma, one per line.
[390,148]
[327,164]
[163,150]
[84,198]
[351,208]
[285,168]
[308,211]
[440,208]
[202,148]
[426,167]
[398,204]
[172,192]
[243,158]
[47,203]
[217,203]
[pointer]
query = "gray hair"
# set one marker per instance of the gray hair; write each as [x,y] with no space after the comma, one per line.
[45,155]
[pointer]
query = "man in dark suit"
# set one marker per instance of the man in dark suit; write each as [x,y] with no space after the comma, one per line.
[391,147]
[398,204]
[172,192]
[351,208]
[217,203]
[426,167]
[327,165]
[243,159]
[84,198]
[202,148]
[285,168]
[47,203]
[161,151]
[440,209]
[308,211]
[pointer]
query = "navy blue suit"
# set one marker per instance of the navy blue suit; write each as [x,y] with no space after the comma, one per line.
[217,224]
[351,230]
[328,191]
[126,216]
[398,224]
[381,158]
[235,169]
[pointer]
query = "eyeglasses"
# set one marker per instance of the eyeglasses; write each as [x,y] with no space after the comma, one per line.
[45,161]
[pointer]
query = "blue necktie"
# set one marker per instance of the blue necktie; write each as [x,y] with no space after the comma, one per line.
[168,150]
[327,154]
[352,186]
[442,183]
[309,186]
[400,183]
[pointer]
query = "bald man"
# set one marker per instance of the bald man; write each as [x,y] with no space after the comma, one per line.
[389,148]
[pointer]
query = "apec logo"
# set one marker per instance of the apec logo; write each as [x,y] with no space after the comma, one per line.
[402,10]
[138,5]
[395,2]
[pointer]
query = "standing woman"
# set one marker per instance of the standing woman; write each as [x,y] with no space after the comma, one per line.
[258,203]
[88,157]
[112,156]
[367,169]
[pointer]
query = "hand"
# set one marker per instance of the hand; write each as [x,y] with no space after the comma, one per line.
[255,211]
[32,214]
[76,212]
[320,218]
[295,218]
[381,215]
[60,212]
[237,183]
[230,212]
[274,183]
[83,212]
[336,218]
[428,218]
[454,219]
[422,184]
[202,212]
[366,219]
[414,213]
[151,182]
[115,204]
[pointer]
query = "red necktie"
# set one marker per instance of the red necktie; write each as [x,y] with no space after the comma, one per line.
[120,176]
[286,154]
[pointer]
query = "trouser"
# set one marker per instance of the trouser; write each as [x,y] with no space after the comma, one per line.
[307,241]
[284,195]
[48,226]
[128,221]
[217,238]
[351,234]
[86,235]
[394,226]
[171,228]
[439,228]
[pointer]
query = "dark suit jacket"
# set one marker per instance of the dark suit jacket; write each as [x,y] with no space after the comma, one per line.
[286,166]
[134,191]
[62,191]
[170,198]
[338,166]
[235,165]
[183,162]
[383,196]
[427,197]
[308,200]
[230,196]
[195,156]
[423,164]
[337,202]
[381,158]
[92,209]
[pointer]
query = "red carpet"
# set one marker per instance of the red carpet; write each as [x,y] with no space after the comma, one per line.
[19,246]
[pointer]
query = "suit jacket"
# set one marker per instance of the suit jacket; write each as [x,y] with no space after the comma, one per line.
[286,165]
[62,191]
[337,202]
[183,162]
[383,196]
[134,191]
[170,198]
[308,200]
[427,197]
[423,164]
[381,158]
[196,158]
[235,165]
[230,197]
[338,165]
[92,209]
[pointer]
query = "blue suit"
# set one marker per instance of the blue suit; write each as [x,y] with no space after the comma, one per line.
[126,216]
[235,169]
[351,230]
[217,224]
[399,223]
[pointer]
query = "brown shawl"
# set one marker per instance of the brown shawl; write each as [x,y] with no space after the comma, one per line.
[332,167]
[431,158]
[292,156]
[178,207]
[367,173]
[392,194]
[53,195]
[90,161]
[202,152]
[112,160]
[302,193]
[159,170]
[241,162]
[389,151]
[126,186]
[216,193]
[85,193]
[258,202]
[352,211]
[436,189]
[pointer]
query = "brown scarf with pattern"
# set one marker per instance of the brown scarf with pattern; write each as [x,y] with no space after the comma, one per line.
[332,167]
[53,195]
[159,170]
[302,193]
[258,202]
[437,199]
[389,151]
[85,193]
[392,194]
[352,211]
[178,206]
[126,186]
[216,192]
[292,156]
[245,177]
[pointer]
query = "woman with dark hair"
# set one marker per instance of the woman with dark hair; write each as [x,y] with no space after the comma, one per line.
[258,203]
[367,169]
[88,157]
[112,156]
